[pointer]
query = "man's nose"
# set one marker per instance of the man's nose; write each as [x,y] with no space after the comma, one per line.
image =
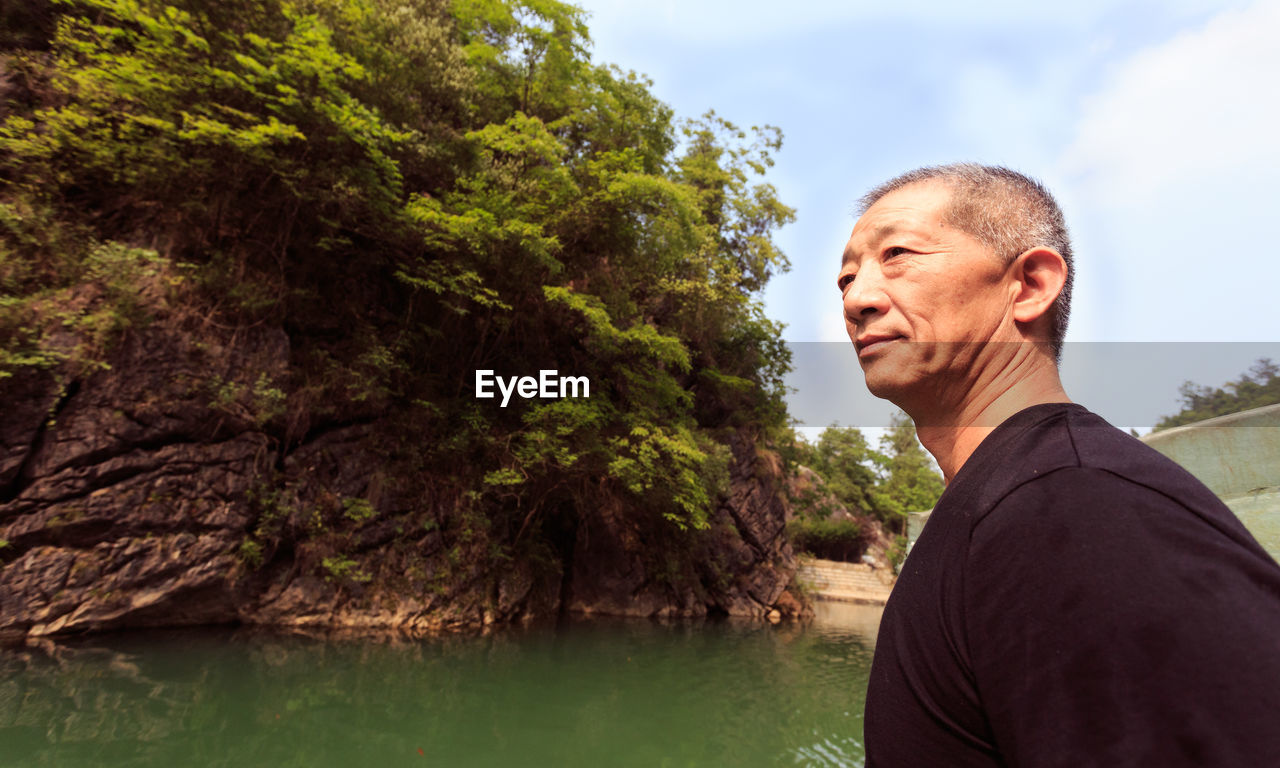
[865,296]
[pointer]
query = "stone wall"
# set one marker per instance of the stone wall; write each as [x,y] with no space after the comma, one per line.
[1238,457]
[1234,454]
[850,582]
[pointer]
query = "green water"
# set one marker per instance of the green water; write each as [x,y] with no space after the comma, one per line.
[590,694]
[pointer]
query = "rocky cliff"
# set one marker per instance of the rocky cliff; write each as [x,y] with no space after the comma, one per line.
[149,491]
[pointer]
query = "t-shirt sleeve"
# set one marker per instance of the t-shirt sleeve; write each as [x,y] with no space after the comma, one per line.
[1109,625]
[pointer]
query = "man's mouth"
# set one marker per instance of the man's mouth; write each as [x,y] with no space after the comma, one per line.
[869,345]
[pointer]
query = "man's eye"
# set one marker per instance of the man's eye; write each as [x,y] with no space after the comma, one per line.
[844,281]
[897,250]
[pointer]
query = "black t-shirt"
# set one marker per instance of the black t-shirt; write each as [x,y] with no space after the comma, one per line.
[1077,599]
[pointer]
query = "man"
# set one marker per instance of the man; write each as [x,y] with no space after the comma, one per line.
[1076,599]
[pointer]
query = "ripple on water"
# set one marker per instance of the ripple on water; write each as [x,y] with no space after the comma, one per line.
[827,752]
[590,694]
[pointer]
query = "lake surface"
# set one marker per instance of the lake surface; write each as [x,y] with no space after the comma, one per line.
[599,694]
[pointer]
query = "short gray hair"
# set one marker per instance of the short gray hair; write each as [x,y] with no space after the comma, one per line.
[1008,212]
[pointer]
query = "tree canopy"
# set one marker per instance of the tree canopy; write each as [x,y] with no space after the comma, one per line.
[1258,386]
[884,484]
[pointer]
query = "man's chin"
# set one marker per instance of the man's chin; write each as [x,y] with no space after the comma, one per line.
[894,386]
[900,372]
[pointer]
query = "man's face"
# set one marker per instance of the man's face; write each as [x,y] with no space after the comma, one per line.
[920,296]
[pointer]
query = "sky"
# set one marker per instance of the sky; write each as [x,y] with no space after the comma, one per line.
[1153,123]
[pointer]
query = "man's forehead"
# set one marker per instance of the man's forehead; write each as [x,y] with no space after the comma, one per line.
[869,236]
[921,202]
[899,213]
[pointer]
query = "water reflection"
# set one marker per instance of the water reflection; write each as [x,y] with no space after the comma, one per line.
[597,694]
[853,622]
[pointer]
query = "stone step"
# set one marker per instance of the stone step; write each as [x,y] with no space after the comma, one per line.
[841,578]
[833,580]
[837,582]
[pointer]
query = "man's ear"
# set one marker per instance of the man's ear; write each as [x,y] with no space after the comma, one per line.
[1040,274]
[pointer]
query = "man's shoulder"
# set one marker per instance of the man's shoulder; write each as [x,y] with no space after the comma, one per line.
[1084,493]
[1108,460]
[1070,435]
[1107,481]
[1068,451]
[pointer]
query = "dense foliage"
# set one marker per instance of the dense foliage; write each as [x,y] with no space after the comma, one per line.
[830,539]
[884,485]
[1258,386]
[413,190]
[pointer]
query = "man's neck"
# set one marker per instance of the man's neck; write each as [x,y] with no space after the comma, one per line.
[952,436]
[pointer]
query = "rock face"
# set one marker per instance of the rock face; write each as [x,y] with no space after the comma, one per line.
[123,496]
[131,496]
[742,569]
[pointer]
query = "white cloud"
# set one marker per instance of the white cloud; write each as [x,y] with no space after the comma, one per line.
[1204,103]
[1174,172]
[1170,143]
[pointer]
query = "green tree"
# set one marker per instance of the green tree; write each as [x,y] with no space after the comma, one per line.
[883,484]
[1258,386]
[414,190]
[845,461]
[909,481]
